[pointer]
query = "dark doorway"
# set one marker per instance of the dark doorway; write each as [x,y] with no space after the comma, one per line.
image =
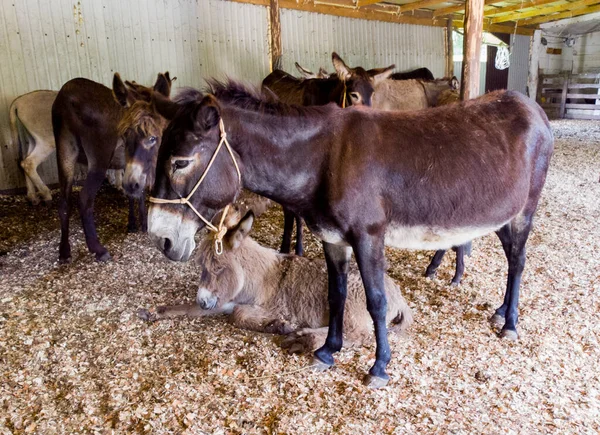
[495,78]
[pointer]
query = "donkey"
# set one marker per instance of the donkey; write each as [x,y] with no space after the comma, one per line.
[350,86]
[406,95]
[360,179]
[107,131]
[265,291]
[419,73]
[322,74]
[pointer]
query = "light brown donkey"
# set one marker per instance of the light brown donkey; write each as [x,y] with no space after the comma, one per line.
[265,291]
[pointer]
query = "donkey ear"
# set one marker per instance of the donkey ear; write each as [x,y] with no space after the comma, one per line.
[379,74]
[237,235]
[208,114]
[454,83]
[304,72]
[343,71]
[120,91]
[163,85]
[323,74]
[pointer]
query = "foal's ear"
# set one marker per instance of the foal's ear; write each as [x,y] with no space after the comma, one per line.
[304,72]
[379,74]
[237,234]
[454,84]
[120,91]
[163,85]
[208,114]
[343,71]
[323,74]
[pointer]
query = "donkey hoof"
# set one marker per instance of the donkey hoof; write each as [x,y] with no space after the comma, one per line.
[146,315]
[103,257]
[429,275]
[509,334]
[375,381]
[132,229]
[497,320]
[64,260]
[454,283]
[319,366]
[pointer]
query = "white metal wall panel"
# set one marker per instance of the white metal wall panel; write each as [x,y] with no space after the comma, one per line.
[519,63]
[482,72]
[309,38]
[45,43]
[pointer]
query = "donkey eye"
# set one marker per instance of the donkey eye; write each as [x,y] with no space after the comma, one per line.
[355,96]
[152,140]
[180,164]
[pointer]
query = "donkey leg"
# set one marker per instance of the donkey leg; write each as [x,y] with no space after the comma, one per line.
[64,213]
[505,236]
[131,223]
[143,214]
[305,340]
[256,318]
[39,154]
[288,227]
[184,310]
[299,236]
[369,253]
[435,263]
[87,196]
[520,228]
[337,258]
[460,265]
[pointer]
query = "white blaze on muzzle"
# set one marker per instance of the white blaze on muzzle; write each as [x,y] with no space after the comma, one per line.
[220,230]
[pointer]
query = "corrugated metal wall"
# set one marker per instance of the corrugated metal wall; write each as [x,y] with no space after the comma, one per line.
[310,38]
[519,63]
[44,43]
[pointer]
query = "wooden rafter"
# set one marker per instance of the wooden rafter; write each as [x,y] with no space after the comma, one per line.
[361,3]
[460,8]
[499,28]
[518,7]
[563,15]
[545,11]
[421,4]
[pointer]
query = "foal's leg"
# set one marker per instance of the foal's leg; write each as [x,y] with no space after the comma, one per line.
[299,241]
[256,318]
[131,223]
[184,310]
[92,184]
[337,258]
[288,227]
[513,237]
[460,265]
[143,213]
[369,253]
[38,155]
[435,263]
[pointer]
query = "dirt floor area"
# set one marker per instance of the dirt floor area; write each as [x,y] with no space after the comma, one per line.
[75,358]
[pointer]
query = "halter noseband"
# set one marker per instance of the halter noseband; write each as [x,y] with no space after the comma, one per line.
[220,230]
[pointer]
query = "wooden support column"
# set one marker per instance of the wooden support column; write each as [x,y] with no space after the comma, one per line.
[449,50]
[534,61]
[472,49]
[275,35]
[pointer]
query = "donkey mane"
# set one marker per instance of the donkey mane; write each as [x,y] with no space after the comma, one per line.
[142,116]
[236,94]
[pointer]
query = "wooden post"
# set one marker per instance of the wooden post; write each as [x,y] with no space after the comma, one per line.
[563,98]
[275,35]
[449,50]
[534,63]
[473,26]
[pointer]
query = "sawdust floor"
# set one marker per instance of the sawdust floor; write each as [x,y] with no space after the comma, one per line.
[75,358]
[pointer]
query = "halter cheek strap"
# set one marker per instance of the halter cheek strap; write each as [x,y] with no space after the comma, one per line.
[220,230]
[344,97]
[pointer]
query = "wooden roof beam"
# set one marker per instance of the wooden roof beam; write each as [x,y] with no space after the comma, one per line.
[518,7]
[499,28]
[561,16]
[545,11]
[361,3]
[460,8]
[419,5]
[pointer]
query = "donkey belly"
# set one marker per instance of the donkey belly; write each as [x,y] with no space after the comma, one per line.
[422,237]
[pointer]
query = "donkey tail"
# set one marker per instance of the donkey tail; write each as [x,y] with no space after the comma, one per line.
[20,137]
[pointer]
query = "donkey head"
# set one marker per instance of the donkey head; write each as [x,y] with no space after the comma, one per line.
[188,144]
[141,128]
[441,91]
[359,82]
[223,277]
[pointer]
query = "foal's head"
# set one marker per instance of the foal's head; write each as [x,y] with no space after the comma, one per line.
[223,277]
[141,128]
[359,83]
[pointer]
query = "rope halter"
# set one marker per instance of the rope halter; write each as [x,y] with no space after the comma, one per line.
[220,230]
[344,97]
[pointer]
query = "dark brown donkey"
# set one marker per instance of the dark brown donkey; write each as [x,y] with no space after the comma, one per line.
[361,179]
[349,86]
[105,131]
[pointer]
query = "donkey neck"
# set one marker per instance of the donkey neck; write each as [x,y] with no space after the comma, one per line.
[279,153]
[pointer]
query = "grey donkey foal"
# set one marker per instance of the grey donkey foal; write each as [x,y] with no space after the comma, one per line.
[265,291]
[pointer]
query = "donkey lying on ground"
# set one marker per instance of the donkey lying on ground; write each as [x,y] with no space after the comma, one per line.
[349,86]
[31,132]
[266,291]
[105,130]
